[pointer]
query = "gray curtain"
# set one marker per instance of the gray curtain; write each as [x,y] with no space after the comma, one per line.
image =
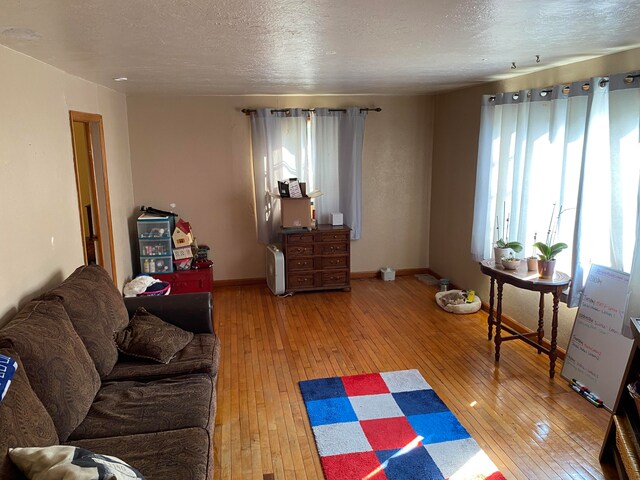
[322,148]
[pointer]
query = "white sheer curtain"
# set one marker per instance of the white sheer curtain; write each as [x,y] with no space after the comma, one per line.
[574,147]
[279,144]
[323,148]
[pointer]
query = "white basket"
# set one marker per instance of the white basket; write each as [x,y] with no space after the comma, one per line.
[388,274]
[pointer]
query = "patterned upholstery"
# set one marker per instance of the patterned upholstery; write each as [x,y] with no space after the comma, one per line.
[126,408]
[57,364]
[24,422]
[97,311]
[175,454]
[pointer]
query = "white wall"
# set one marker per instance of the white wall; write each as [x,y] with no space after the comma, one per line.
[196,152]
[41,237]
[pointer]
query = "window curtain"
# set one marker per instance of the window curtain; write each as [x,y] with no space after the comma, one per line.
[323,148]
[563,159]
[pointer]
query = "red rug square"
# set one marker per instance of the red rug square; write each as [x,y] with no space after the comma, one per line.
[363,465]
[388,433]
[366,384]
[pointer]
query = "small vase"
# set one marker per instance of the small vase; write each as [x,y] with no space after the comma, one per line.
[546,269]
[532,264]
[499,253]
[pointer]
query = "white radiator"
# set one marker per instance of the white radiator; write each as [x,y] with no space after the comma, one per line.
[275,269]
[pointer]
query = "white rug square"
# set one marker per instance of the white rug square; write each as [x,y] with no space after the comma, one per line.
[340,438]
[369,407]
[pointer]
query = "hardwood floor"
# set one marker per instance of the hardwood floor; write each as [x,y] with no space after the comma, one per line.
[531,427]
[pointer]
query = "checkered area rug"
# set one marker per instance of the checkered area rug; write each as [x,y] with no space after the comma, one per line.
[392,426]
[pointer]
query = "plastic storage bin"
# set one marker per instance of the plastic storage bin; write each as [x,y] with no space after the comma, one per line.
[154,243]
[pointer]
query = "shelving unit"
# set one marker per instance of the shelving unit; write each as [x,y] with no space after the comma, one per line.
[154,243]
[621,444]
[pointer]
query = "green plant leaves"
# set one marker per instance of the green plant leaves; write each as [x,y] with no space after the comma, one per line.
[549,252]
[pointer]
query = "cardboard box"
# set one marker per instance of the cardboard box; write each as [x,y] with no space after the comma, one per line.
[295,212]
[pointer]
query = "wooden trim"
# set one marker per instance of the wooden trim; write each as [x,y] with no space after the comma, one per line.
[107,201]
[399,273]
[94,191]
[77,174]
[88,119]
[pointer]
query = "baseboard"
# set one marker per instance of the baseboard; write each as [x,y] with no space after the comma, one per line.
[399,273]
[244,282]
[240,282]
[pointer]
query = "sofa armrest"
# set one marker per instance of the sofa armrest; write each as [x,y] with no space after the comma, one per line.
[189,311]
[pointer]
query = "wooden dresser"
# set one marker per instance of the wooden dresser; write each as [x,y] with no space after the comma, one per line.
[318,259]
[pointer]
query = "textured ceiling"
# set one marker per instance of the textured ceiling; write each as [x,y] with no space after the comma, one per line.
[207,47]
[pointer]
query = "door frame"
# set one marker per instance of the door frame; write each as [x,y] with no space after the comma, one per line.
[94,119]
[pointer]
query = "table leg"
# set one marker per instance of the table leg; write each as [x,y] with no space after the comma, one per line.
[553,354]
[498,322]
[540,321]
[490,320]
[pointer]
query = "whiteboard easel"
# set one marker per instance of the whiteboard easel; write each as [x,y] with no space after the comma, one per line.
[598,351]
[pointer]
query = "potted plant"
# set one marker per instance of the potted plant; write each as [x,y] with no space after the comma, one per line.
[548,250]
[503,247]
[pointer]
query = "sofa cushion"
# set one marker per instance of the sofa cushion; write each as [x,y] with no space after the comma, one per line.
[97,311]
[148,336]
[23,419]
[201,355]
[57,364]
[127,407]
[64,461]
[178,454]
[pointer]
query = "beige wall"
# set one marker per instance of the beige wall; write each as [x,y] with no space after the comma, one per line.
[195,152]
[41,240]
[457,121]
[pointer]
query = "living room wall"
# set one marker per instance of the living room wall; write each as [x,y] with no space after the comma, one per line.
[195,152]
[456,127]
[41,241]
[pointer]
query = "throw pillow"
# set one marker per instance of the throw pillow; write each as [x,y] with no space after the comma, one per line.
[148,336]
[61,461]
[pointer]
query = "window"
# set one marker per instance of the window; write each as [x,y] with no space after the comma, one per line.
[322,147]
[573,150]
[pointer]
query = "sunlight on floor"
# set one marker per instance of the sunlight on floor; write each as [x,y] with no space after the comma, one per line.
[479,466]
[406,449]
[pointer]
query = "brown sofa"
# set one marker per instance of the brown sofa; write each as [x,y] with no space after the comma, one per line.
[73,387]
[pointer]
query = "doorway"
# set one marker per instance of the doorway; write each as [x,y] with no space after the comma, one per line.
[93,190]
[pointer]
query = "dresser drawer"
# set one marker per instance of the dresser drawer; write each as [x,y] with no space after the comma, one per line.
[301,279]
[300,264]
[300,238]
[335,237]
[299,251]
[334,247]
[334,262]
[334,278]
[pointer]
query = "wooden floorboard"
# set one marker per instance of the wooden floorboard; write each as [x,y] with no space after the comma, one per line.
[532,427]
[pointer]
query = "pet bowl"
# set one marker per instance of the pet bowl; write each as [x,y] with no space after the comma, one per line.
[510,263]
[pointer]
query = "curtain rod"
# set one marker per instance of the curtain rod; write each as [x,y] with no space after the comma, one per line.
[628,79]
[249,111]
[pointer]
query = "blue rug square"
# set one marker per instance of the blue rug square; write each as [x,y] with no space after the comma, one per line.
[330,410]
[415,463]
[322,388]
[438,427]
[419,402]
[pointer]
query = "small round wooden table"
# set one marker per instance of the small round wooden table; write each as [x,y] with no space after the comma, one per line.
[521,278]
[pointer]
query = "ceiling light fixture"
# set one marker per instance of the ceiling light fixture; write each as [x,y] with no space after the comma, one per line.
[120,79]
